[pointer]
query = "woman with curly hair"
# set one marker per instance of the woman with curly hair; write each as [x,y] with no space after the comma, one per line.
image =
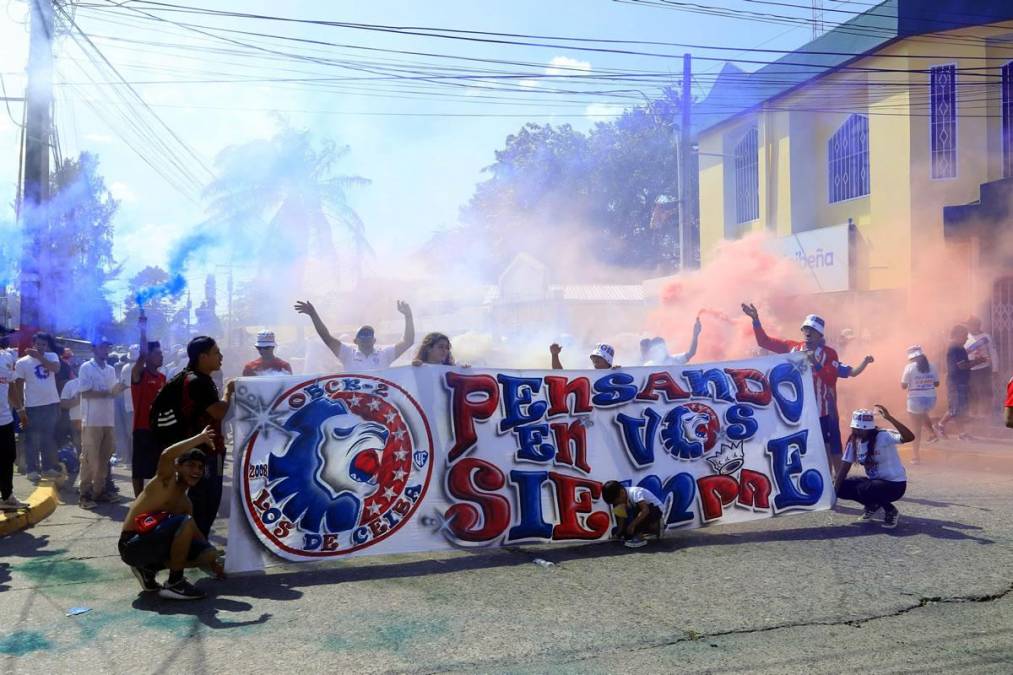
[876,450]
[434,350]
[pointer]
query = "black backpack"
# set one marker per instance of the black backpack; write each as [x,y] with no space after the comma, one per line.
[169,419]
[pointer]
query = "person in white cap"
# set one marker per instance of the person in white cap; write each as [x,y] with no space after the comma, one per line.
[920,380]
[827,368]
[601,356]
[268,363]
[657,351]
[876,450]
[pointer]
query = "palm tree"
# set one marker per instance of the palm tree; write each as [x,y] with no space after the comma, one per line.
[282,196]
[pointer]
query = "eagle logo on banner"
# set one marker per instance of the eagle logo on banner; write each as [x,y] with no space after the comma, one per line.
[348,470]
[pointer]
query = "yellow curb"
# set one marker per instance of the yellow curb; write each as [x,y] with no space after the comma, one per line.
[41,505]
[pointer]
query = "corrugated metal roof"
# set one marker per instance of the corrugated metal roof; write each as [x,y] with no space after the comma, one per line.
[603,293]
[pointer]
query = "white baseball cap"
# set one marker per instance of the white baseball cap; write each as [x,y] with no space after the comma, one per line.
[605,351]
[816,323]
[863,419]
[914,351]
[265,338]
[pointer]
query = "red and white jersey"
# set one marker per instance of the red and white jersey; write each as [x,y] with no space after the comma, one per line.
[824,378]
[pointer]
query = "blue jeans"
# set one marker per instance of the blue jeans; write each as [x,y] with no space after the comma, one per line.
[40,437]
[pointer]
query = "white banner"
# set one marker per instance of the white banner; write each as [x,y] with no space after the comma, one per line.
[432,458]
[824,253]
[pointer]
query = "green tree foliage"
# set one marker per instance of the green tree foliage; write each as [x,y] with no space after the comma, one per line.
[158,310]
[604,183]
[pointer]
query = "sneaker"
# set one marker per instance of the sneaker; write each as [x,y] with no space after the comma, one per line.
[181,590]
[868,516]
[34,476]
[12,503]
[106,498]
[890,521]
[635,542]
[86,503]
[146,578]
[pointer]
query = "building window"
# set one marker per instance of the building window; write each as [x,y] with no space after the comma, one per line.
[848,160]
[943,120]
[747,178]
[1007,120]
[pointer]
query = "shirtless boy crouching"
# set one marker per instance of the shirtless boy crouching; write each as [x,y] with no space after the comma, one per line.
[159,531]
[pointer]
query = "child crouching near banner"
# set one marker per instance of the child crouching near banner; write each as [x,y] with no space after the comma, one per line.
[876,450]
[637,512]
[159,531]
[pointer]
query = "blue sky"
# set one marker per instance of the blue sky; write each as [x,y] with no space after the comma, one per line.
[423,168]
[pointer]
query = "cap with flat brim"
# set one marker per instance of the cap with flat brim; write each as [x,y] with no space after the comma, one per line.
[816,323]
[605,352]
[863,419]
[365,333]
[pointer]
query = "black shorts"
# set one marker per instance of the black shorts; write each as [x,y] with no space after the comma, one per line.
[150,550]
[146,454]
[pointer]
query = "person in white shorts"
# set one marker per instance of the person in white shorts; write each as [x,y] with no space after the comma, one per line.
[921,380]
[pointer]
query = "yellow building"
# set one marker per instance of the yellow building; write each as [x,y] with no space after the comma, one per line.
[882,123]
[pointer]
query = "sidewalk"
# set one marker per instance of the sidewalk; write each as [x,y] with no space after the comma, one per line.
[980,454]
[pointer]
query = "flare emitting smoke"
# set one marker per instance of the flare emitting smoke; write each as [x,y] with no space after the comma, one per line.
[182,252]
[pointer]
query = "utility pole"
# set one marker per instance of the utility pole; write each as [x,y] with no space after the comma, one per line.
[39,125]
[686,258]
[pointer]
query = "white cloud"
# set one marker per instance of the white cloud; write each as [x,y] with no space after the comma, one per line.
[99,138]
[564,65]
[599,111]
[121,191]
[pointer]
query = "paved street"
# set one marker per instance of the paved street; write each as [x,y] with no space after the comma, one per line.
[808,593]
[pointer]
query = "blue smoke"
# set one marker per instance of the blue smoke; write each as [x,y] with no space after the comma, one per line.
[180,256]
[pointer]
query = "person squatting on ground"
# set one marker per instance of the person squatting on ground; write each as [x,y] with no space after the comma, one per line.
[982,378]
[98,387]
[364,357]
[876,450]
[189,402]
[268,363]
[601,356]
[146,380]
[655,352]
[159,531]
[637,512]
[8,449]
[827,368]
[39,406]
[920,380]
[958,387]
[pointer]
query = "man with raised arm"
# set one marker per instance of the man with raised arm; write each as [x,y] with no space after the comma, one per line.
[159,531]
[826,366]
[146,379]
[364,357]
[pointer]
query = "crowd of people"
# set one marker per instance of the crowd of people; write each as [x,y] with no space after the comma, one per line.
[172,413]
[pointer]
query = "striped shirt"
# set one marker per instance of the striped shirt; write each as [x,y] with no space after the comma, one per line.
[824,377]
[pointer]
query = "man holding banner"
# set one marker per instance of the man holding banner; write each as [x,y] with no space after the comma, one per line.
[827,368]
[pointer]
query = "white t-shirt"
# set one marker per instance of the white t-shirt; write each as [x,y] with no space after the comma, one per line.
[40,384]
[97,412]
[128,400]
[7,376]
[919,384]
[70,391]
[354,361]
[670,360]
[886,463]
[635,495]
